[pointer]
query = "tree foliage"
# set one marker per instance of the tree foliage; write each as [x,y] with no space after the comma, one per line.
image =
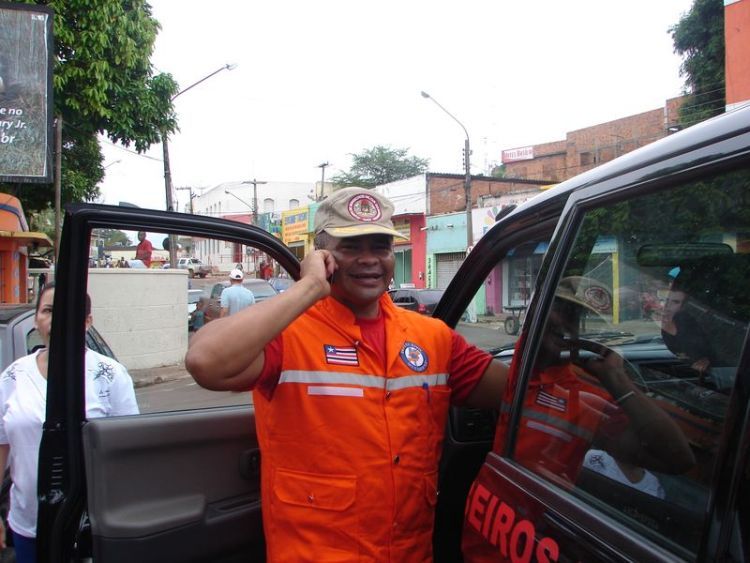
[103,83]
[113,237]
[380,165]
[699,38]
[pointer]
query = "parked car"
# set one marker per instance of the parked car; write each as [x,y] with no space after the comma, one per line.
[194,267]
[18,336]
[520,483]
[261,290]
[420,300]
[281,284]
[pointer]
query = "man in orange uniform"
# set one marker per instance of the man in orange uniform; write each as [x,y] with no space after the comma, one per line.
[351,395]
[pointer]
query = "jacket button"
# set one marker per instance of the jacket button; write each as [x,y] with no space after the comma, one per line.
[310,498]
[387,394]
[396,459]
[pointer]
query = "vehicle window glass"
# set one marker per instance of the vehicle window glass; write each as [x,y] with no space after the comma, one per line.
[33,341]
[493,318]
[627,396]
[149,316]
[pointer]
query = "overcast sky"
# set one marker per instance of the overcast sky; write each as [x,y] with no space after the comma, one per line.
[317,81]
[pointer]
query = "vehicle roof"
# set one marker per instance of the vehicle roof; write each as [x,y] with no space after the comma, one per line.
[255,282]
[417,289]
[8,312]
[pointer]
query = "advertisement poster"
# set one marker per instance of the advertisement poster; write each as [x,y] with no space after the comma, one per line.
[25,93]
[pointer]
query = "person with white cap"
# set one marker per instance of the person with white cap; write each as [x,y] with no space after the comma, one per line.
[235,297]
[351,395]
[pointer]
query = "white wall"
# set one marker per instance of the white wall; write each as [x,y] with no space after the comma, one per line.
[142,314]
[408,195]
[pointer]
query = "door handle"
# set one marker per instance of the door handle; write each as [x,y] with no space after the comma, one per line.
[250,465]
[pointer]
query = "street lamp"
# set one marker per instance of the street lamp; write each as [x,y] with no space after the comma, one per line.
[467,165]
[238,197]
[167,170]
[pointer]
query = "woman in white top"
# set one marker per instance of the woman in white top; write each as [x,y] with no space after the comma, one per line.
[23,403]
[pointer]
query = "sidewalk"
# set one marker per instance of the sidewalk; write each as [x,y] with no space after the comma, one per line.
[161,374]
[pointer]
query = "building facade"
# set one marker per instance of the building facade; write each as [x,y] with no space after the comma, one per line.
[586,148]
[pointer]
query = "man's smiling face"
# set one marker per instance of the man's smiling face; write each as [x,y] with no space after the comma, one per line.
[365,268]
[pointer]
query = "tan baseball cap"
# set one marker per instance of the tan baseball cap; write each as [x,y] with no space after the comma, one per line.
[354,212]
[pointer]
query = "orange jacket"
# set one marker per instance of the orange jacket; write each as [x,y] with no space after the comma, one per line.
[350,448]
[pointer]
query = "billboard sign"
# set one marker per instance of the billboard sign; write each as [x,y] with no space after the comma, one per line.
[513,155]
[26,45]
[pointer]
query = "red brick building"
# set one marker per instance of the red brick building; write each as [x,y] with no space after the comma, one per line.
[737,61]
[447,192]
[587,148]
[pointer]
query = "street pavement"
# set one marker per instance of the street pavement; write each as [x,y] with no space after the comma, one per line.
[161,374]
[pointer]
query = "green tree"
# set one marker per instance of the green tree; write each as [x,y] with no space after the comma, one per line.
[113,237]
[380,165]
[498,171]
[699,38]
[103,83]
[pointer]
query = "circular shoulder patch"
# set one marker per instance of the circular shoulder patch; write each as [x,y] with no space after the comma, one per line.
[414,356]
[364,207]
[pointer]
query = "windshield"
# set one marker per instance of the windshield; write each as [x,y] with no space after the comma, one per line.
[430,296]
[261,289]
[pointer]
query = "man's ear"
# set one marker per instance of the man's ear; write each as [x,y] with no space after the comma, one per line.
[89,321]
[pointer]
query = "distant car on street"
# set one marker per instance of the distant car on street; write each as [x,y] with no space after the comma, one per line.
[194,267]
[261,289]
[281,284]
[420,300]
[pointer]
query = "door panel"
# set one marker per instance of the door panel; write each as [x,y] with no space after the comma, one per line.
[180,479]
[159,486]
[614,438]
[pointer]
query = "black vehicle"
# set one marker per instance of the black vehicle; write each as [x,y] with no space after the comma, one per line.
[157,486]
[420,300]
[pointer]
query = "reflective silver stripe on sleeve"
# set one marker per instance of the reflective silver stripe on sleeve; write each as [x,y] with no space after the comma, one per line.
[558,423]
[369,381]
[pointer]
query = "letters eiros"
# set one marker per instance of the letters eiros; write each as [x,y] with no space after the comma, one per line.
[496,522]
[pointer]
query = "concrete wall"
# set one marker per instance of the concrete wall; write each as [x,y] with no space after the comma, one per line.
[142,314]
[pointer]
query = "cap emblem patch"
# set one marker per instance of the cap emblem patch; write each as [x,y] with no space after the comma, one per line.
[364,207]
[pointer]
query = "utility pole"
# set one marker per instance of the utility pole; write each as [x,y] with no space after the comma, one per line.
[190,189]
[467,188]
[322,180]
[255,183]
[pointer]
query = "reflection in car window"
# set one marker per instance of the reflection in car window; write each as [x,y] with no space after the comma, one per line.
[493,319]
[626,400]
